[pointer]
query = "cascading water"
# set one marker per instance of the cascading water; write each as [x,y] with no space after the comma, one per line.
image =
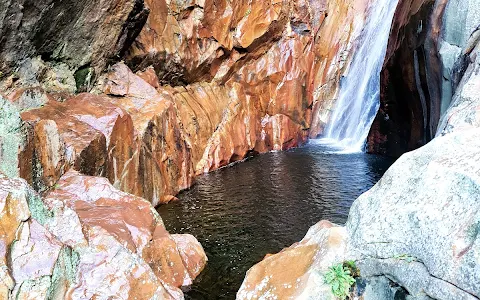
[359,98]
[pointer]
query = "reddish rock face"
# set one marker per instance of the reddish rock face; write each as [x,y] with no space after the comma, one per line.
[76,133]
[162,156]
[187,41]
[200,108]
[191,252]
[245,77]
[135,141]
[277,63]
[110,219]
[86,239]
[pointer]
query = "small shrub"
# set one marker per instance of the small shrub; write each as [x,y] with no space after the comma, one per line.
[352,266]
[340,280]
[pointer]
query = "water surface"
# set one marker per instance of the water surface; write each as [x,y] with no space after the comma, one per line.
[263,205]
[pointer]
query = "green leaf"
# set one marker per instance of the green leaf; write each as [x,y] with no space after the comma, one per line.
[340,279]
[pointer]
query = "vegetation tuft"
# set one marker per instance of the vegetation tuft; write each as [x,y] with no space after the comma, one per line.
[341,279]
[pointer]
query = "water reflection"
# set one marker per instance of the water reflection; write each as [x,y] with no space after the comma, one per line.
[241,213]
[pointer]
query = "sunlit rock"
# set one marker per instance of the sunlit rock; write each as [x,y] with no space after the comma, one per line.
[87,239]
[297,272]
[108,221]
[192,253]
[201,107]
[76,133]
[28,253]
[435,226]
[463,113]
[33,256]
[162,158]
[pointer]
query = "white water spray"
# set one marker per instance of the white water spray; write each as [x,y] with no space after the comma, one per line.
[359,98]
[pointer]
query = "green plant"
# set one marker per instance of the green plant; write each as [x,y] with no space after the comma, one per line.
[352,267]
[340,280]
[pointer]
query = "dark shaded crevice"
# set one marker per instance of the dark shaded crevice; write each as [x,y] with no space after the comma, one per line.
[132,28]
[53,26]
[168,70]
[423,92]
[410,82]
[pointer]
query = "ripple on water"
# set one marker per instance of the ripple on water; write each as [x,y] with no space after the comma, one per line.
[263,205]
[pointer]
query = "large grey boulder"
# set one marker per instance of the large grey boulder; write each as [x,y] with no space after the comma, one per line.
[425,210]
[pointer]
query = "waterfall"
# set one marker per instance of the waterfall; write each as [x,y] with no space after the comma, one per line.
[359,97]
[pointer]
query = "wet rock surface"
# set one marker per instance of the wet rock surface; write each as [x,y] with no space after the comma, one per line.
[429,51]
[410,81]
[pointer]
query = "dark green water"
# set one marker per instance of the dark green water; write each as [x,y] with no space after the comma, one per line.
[263,205]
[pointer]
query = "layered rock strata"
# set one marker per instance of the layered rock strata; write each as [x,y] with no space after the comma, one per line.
[204,84]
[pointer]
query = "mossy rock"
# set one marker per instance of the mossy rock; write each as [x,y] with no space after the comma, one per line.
[11,138]
[84,79]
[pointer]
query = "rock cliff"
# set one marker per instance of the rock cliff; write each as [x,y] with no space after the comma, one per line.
[150,94]
[414,235]
[410,80]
